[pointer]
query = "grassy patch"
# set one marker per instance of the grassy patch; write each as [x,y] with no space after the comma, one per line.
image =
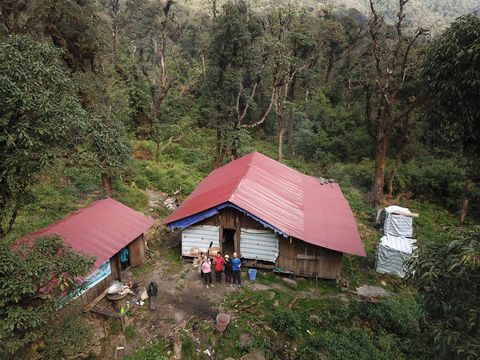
[130,196]
[130,332]
[151,352]
[173,257]
[114,327]
[143,269]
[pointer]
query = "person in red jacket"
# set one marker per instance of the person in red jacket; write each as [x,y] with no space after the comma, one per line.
[218,266]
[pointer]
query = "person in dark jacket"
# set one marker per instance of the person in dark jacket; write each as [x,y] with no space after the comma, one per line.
[228,270]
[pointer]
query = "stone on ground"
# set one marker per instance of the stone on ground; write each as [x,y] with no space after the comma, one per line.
[254,355]
[290,282]
[372,292]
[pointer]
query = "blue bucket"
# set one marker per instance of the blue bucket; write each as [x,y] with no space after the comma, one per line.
[252,274]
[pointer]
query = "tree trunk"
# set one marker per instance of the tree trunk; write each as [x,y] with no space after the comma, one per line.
[349,94]
[290,151]
[218,143]
[157,149]
[331,62]
[396,163]
[107,185]
[114,43]
[466,199]
[380,156]
[281,132]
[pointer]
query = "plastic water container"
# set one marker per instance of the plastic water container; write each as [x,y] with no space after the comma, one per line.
[222,322]
[252,274]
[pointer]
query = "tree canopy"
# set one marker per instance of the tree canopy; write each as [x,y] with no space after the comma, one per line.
[40,115]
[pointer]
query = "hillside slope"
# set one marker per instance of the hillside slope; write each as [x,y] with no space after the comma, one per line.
[432,14]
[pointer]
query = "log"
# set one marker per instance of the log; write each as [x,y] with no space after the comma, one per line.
[95,301]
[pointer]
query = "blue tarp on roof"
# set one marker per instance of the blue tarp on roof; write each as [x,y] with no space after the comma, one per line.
[195,218]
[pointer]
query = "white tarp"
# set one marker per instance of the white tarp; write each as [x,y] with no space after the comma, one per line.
[397,224]
[199,237]
[259,245]
[392,254]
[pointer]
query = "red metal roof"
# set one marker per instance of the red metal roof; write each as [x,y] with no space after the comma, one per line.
[100,229]
[290,201]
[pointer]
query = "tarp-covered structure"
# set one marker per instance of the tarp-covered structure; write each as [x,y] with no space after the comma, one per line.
[282,200]
[397,245]
[393,253]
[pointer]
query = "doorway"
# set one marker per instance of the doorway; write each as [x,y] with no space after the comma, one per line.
[228,242]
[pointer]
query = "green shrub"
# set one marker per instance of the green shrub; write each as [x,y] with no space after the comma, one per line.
[437,179]
[351,343]
[85,180]
[359,175]
[70,337]
[286,322]
[400,315]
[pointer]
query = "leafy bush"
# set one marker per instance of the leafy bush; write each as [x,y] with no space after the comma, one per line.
[47,264]
[166,176]
[447,276]
[359,175]
[389,329]
[351,343]
[286,322]
[71,337]
[400,315]
[438,179]
[85,180]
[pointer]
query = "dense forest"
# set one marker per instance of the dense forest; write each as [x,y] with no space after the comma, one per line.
[112,97]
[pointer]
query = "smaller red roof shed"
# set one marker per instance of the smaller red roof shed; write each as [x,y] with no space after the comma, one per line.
[101,229]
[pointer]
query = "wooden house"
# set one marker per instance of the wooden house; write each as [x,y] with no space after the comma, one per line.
[272,216]
[109,231]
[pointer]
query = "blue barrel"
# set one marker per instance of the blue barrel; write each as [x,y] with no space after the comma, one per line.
[252,274]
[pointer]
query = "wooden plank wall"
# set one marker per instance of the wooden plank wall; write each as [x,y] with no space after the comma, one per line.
[309,260]
[136,250]
[302,258]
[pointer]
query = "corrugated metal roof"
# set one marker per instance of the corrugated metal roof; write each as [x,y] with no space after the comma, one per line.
[292,202]
[100,229]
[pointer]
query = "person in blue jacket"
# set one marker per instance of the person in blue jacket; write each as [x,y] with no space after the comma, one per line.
[236,264]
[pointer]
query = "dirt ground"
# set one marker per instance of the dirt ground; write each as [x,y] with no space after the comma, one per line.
[182,297]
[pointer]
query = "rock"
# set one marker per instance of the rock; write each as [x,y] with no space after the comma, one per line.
[316,320]
[229,358]
[179,316]
[276,304]
[372,292]
[177,349]
[383,283]
[271,295]
[245,339]
[95,351]
[254,355]
[290,282]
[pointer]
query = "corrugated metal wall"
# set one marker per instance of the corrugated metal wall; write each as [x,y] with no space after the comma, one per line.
[258,244]
[199,237]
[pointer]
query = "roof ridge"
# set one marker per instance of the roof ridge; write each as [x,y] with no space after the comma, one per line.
[237,185]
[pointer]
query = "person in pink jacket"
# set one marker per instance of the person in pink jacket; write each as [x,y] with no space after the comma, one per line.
[207,272]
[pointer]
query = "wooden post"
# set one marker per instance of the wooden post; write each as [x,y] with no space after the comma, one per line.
[118,266]
[237,238]
[220,238]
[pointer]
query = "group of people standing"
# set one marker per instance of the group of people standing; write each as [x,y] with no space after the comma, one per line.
[230,267]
